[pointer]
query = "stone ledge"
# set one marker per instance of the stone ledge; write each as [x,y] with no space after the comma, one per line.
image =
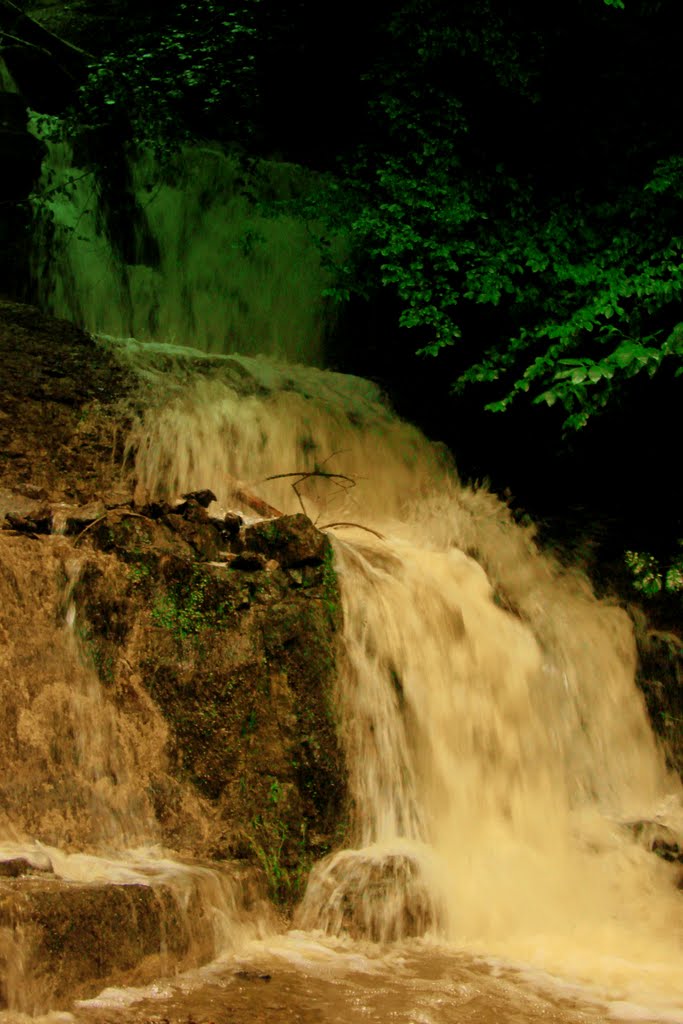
[62,940]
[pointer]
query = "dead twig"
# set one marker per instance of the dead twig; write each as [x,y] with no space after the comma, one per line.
[131,515]
[252,501]
[339,451]
[331,526]
[348,481]
[17,19]
[24,42]
[304,474]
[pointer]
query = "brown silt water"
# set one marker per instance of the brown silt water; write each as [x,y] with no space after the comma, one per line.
[499,753]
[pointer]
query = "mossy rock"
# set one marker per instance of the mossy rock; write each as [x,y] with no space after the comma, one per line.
[71,937]
[290,540]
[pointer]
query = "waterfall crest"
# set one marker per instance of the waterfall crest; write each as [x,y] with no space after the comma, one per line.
[181,253]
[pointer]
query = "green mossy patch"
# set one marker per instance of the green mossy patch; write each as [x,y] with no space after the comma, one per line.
[240,658]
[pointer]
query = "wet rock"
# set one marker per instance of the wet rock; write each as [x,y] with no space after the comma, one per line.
[240,662]
[134,538]
[207,536]
[39,521]
[668,850]
[68,938]
[657,838]
[115,496]
[369,895]
[232,523]
[198,532]
[249,561]
[34,493]
[202,498]
[24,505]
[156,509]
[660,677]
[70,449]
[291,540]
[77,520]
[193,507]
[19,866]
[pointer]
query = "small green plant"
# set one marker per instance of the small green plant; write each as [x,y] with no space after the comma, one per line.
[249,724]
[330,586]
[269,854]
[183,609]
[285,884]
[139,573]
[275,791]
[651,577]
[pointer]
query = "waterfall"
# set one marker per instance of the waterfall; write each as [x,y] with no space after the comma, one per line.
[181,253]
[496,741]
[499,751]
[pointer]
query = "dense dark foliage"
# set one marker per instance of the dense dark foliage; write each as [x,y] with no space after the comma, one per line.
[509,173]
[508,181]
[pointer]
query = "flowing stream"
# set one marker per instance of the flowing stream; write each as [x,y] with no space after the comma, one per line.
[498,748]
[497,744]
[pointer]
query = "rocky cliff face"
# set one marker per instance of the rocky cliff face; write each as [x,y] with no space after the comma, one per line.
[660,677]
[166,674]
[237,650]
[230,631]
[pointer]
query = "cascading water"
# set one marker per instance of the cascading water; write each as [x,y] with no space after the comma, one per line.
[497,746]
[75,781]
[73,774]
[202,265]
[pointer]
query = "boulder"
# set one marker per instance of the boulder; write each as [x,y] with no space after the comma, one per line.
[369,894]
[59,940]
[291,540]
[38,521]
[17,867]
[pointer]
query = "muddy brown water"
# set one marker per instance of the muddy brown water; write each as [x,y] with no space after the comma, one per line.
[496,742]
[305,983]
[302,979]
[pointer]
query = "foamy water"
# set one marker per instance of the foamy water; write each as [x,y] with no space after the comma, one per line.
[497,745]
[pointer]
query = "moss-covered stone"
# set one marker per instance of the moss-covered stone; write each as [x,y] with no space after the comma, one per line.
[70,937]
[292,540]
[241,662]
